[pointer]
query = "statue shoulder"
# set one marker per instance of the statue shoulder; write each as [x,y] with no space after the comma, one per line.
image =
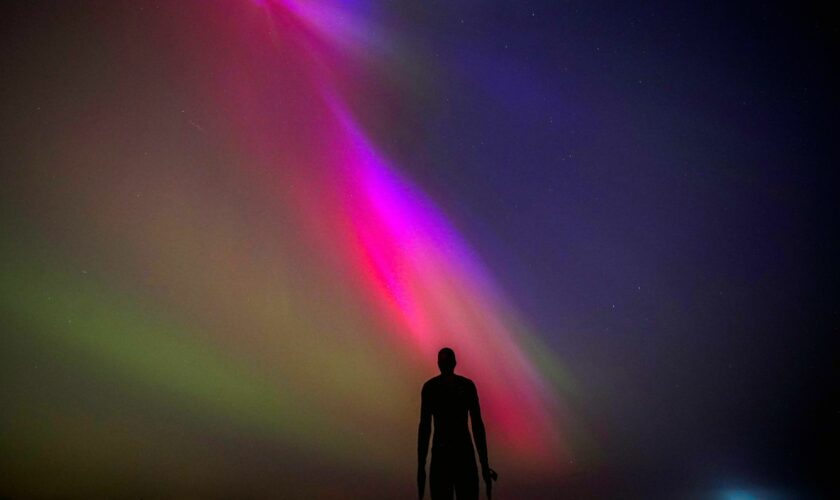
[431,383]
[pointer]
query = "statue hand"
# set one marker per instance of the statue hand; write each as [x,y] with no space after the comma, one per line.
[421,481]
[489,475]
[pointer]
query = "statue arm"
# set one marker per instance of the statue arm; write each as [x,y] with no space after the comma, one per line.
[479,434]
[424,432]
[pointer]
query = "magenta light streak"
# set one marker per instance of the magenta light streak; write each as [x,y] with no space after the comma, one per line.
[424,273]
[426,286]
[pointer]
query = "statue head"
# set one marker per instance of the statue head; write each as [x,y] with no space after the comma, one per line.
[446,360]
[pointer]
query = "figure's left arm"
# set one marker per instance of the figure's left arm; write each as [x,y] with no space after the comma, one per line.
[424,432]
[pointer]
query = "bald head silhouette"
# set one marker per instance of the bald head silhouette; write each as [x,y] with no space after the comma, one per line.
[446,360]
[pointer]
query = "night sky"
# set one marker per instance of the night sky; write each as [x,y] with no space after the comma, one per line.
[235,233]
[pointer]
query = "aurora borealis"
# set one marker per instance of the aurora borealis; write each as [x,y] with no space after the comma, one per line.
[293,286]
[237,232]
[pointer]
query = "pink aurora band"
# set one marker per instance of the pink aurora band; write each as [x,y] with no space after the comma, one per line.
[427,287]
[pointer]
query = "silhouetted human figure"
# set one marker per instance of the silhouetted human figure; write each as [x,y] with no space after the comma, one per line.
[448,399]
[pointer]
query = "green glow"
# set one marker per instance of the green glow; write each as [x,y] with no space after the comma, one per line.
[124,338]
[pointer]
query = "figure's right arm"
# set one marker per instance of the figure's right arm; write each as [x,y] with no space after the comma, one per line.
[478,432]
[423,434]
